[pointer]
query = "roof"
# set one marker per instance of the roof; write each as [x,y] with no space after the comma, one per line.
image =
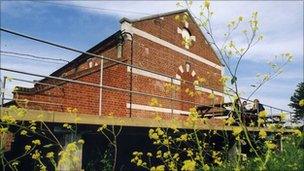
[101,46]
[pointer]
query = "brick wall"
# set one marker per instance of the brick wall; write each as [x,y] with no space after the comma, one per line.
[146,54]
[83,97]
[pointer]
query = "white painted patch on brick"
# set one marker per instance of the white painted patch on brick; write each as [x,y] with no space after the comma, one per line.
[153,75]
[193,38]
[181,69]
[156,109]
[178,76]
[187,67]
[193,73]
[179,31]
[186,24]
[198,88]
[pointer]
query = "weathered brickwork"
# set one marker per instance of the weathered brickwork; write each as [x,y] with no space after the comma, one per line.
[146,54]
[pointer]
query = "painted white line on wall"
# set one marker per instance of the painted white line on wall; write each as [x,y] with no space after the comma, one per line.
[128,27]
[165,110]
[207,90]
[153,75]
[156,109]
[168,79]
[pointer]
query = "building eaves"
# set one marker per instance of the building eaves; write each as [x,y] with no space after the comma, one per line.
[102,46]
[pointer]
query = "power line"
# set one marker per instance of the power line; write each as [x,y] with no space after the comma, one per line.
[97,85]
[105,58]
[94,8]
[24,57]
[34,56]
[33,82]
[32,101]
[95,55]
[111,88]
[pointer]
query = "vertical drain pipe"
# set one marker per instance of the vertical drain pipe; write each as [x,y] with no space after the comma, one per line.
[100,89]
[131,70]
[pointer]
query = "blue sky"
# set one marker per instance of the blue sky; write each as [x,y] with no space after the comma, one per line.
[82,28]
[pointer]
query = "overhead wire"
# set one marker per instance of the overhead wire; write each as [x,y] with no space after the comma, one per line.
[95,85]
[97,56]
[92,54]
[34,56]
[94,8]
[30,58]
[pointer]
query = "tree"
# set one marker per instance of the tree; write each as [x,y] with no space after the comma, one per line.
[297,102]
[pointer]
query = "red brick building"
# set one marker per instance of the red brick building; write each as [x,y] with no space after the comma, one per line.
[163,46]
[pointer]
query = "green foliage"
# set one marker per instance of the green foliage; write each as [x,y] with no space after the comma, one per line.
[297,100]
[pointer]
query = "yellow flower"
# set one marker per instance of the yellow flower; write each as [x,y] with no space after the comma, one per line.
[211,96]
[230,121]
[139,162]
[176,156]
[8,119]
[241,18]
[3,130]
[172,166]
[282,116]
[36,155]
[183,137]
[71,147]
[36,142]
[207,4]
[21,112]
[167,154]
[262,134]
[262,114]
[158,154]
[270,145]
[27,147]
[237,130]
[301,103]
[189,165]
[154,136]
[77,119]
[166,142]
[154,102]
[23,132]
[104,126]
[33,128]
[50,155]
[159,131]
[158,168]
[157,118]
[297,132]
[149,154]
[42,168]
[206,167]
[81,141]
[68,126]
[189,153]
